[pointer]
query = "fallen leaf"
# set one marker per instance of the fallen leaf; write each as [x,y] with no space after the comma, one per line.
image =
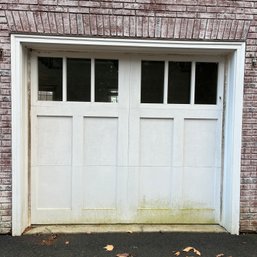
[177,253]
[50,240]
[109,248]
[220,255]
[54,236]
[190,248]
[124,255]
[197,252]
[130,231]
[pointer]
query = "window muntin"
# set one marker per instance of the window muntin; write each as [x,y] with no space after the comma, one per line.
[96,80]
[78,80]
[180,82]
[49,79]
[152,81]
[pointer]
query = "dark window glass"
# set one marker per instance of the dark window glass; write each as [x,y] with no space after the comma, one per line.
[106,80]
[49,79]
[179,82]
[78,79]
[152,81]
[206,83]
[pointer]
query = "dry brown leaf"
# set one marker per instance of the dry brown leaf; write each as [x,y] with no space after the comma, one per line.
[177,253]
[123,255]
[197,252]
[190,248]
[220,255]
[50,240]
[109,248]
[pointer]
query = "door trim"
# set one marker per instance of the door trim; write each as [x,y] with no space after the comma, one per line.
[235,55]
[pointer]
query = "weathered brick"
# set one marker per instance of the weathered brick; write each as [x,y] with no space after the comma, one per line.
[219,20]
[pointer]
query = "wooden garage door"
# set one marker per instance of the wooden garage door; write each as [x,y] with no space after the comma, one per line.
[125,139]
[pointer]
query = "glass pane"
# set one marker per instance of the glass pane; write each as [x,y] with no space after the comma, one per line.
[152,81]
[106,80]
[179,82]
[49,79]
[78,79]
[206,83]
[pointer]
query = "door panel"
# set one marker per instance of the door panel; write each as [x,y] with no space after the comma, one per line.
[123,161]
[175,150]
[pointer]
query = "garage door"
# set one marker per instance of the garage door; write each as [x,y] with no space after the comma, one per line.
[125,139]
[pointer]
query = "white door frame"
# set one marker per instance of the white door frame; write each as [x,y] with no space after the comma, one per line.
[235,55]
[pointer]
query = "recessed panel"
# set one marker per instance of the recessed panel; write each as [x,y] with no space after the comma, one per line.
[54,140]
[198,188]
[54,187]
[99,188]
[156,139]
[155,187]
[100,141]
[200,142]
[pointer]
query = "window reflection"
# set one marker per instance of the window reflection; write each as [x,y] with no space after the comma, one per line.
[78,79]
[152,81]
[179,82]
[206,83]
[106,80]
[49,79]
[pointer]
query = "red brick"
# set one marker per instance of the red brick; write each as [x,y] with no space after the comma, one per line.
[163,19]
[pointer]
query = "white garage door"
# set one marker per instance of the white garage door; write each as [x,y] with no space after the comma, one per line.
[126,139]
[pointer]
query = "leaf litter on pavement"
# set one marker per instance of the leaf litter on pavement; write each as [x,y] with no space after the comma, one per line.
[189,250]
[109,248]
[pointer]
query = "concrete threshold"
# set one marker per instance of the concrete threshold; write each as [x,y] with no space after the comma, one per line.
[130,228]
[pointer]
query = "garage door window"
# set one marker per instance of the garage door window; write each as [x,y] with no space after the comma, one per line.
[206,83]
[171,82]
[49,79]
[106,80]
[152,81]
[77,80]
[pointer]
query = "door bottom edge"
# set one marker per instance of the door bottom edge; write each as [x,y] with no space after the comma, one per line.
[123,228]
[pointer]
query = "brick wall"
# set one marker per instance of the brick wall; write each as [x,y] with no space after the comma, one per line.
[159,19]
[5,127]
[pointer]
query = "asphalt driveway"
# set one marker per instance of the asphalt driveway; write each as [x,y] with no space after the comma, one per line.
[130,244]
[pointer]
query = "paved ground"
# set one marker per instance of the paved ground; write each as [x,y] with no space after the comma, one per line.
[134,244]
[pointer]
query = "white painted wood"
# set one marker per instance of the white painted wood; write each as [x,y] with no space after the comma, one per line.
[192,89]
[232,144]
[64,79]
[165,91]
[199,142]
[230,217]
[92,80]
[150,131]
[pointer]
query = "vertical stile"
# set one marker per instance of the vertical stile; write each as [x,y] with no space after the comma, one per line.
[166,71]
[92,80]
[192,91]
[64,79]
